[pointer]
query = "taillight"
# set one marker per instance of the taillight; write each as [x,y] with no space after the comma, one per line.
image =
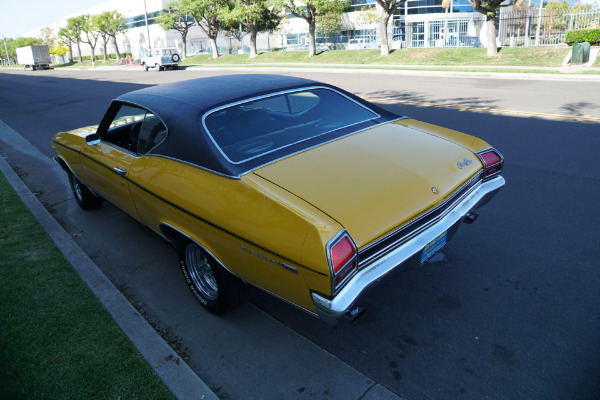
[342,257]
[493,162]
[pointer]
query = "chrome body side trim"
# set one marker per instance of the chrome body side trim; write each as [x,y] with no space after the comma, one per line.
[330,310]
[237,276]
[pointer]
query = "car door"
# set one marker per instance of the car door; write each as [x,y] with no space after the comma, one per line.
[107,163]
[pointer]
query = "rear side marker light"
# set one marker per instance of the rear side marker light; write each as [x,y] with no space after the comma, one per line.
[493,162]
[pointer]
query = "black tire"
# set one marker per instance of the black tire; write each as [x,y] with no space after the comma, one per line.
[213,286]
[84,196]
[175,58]
[145,67]
[157,67]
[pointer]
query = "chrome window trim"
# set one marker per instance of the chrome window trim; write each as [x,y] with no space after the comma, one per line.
[218,147]
[320,144]
[146,109]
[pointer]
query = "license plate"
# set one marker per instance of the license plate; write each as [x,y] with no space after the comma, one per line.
[433,247]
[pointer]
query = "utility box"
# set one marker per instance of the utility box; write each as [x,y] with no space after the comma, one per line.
[580,54]
[34,57]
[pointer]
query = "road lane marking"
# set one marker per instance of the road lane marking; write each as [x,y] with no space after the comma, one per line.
[579,118]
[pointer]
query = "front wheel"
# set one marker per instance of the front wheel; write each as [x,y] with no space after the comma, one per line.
[145,67]
[214,287]
[86,199]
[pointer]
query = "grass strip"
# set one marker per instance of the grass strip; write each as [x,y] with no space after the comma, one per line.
[508,56]
[57,340]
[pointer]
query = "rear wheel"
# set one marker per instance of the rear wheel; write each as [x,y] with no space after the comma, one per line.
[157,67]
[86,199]
[214,287]
[145,67]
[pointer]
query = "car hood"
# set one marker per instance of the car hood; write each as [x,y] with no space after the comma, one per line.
[375,181]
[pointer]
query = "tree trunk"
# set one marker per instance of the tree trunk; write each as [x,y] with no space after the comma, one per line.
[312,49]
[383,36]
[93,55]
[70,58]
[253,51]
[184,40]
[105,52]
[213,44]
[492,49]
[114,38]
[79,51]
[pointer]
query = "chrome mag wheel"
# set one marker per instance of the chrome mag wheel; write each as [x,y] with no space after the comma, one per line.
[201,272]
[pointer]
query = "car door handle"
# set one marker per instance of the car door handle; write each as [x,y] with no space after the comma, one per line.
[120,171]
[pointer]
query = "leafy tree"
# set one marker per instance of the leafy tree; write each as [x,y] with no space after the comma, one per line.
[64,37]
[47,36]
[255,16]
[92,34]
[98,23]
[209,15]
[175,19]
[58,50]
[310,11]
[388,8]
[110,24]
[328,25]
[74,30]
[489,8]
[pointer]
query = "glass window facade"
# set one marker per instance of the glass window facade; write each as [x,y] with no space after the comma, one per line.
[435,6]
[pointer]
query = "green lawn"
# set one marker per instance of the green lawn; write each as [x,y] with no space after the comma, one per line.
[57,340]
[511,56]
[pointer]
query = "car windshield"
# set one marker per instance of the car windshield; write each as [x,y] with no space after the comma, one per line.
[256,127]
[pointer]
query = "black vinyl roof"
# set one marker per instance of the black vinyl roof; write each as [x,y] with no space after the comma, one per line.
[182,105]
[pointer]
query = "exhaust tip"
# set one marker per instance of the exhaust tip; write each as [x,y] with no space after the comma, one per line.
[355,312]
[470,217]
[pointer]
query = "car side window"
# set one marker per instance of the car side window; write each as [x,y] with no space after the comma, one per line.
[135,129]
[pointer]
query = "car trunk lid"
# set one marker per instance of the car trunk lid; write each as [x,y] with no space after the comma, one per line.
[375,181]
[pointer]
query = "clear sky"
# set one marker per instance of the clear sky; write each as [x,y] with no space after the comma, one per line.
[19,16]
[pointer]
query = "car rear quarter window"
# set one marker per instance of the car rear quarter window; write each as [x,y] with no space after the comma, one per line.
[250,129]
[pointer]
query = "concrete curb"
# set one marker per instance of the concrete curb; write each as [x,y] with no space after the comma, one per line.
[174,372]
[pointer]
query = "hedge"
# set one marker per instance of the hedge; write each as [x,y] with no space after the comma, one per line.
[591,36]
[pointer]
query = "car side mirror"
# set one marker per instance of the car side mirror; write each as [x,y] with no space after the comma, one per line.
[92,139]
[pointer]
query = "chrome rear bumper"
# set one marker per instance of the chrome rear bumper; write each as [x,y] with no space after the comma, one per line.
[330,310]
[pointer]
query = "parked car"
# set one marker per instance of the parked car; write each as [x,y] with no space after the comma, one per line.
[294,186]
[159,59]
[355,44]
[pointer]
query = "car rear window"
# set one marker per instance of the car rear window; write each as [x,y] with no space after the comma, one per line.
[253,128]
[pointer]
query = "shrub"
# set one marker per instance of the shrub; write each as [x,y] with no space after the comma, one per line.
[583,35]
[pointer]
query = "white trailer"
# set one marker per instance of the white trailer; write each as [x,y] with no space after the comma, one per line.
[34,57]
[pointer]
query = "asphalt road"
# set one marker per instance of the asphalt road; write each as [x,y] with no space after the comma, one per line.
[511,310]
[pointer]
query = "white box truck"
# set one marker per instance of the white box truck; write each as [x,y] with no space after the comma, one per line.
[34,57]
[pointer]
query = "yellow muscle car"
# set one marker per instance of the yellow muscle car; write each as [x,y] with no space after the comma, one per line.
[294,186]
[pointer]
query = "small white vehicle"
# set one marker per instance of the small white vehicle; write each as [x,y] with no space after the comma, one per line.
[159,59]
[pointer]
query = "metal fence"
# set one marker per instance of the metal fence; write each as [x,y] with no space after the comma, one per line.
[515,28]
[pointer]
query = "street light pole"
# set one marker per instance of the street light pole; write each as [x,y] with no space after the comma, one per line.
[147,29]
[6,49]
